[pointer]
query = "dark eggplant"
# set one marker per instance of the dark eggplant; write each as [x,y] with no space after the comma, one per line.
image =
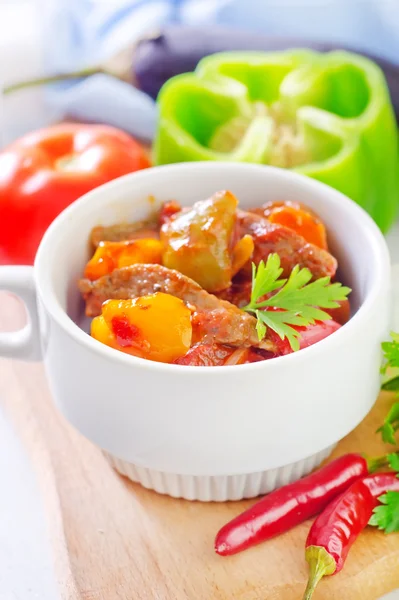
[177,49]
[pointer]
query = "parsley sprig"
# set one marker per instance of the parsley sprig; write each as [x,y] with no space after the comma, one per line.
[390,370]
[393,461]
[391,354]
[386,514]
[390,425]
[299,302]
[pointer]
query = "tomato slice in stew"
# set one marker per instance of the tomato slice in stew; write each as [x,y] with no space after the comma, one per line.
[309,335]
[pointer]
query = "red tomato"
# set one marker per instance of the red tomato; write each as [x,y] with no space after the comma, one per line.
[43,172]
[314,333]
[309,335]
[342,314]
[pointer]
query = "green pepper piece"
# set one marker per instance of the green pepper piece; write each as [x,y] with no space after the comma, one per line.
[198,242]
[328,116]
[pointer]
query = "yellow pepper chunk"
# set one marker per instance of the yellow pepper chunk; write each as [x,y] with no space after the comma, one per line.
[115,255]
[242,253]
[101,332]
[156,327]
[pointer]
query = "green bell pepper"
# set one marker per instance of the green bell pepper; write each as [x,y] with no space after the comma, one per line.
[328,116]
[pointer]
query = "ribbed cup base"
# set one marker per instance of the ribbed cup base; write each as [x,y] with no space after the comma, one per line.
[218,488]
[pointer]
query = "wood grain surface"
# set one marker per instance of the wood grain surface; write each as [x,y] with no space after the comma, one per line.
[115,540]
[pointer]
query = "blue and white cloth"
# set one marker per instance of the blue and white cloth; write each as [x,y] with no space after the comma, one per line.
[83,32]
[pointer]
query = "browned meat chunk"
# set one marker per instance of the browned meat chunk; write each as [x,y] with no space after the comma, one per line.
[291,247]
[238,293]
[214,320]
[207,355]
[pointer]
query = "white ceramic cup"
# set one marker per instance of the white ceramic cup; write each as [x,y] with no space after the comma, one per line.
[210,433]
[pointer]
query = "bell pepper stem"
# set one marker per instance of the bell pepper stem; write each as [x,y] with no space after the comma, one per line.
[321,563]
[27,83]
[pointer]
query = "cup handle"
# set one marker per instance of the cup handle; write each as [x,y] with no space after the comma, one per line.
[25,343]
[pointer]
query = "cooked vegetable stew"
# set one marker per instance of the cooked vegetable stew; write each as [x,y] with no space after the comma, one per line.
[202,286]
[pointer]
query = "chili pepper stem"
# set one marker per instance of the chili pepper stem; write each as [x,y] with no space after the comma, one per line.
[82,73]
[373,464]
[321,563]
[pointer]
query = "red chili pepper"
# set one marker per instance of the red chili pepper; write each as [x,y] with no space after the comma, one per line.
[380,483]
[292,504]
[338,526]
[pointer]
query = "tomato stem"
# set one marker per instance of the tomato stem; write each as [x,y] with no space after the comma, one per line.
[321,563]
[27,83]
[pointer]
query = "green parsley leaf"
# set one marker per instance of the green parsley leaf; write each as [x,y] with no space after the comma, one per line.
[299,294]
[300,301]
[390,425]
[260,327]
[391,353]
[265,279]
[387,433]
[386,516]
[393,460]
[390,371]
[391,385]
[278,321]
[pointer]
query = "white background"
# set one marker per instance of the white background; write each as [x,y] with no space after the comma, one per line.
[26,571]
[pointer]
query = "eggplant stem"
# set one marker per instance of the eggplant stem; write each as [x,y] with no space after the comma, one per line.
[82,73]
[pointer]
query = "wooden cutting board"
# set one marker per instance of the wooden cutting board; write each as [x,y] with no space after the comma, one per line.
[114,540]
